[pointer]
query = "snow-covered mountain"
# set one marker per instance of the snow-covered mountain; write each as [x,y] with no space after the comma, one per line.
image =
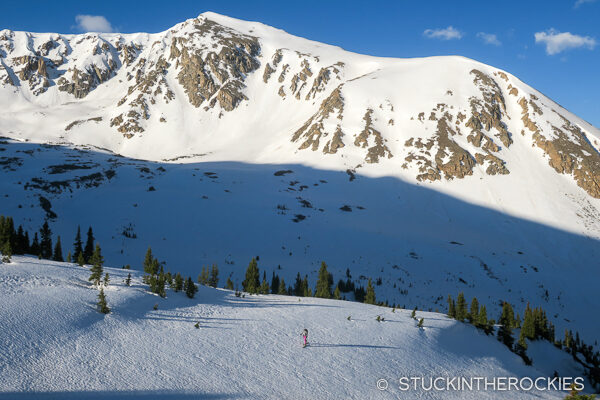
[221,139]
[244,348]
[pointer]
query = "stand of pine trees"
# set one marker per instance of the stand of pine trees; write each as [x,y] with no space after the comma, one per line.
[535,326]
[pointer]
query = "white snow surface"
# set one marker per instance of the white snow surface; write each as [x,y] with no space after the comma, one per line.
[55,345]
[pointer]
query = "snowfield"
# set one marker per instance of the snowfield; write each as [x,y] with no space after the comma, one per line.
[56,345]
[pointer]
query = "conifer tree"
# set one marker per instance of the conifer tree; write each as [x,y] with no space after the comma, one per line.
[274,284]
[252,284]
[178,283]
[102,305]
[413,314]
[298,286]
[96,257]
[521,348]
[96,274]
[35,245]
[214,276]
[474,313]
[80,259]
[506,322]
[190,288]
[527,328]
[128,279]
[323,289]
[21,244]
[282,289]
[483,322]
[57,256]
[77,245]
[88,251]
[6,253]
[229,284]
[461,307]
[45,241]
[336,293]
[106,279]
[307,292]
[370,295]
[264,287]
[451,307]
[420,324]
[69,257]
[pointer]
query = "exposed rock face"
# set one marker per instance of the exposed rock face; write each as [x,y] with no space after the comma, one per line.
[313,130]
[369,133]
[205,73]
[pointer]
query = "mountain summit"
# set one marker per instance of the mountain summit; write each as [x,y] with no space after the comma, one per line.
[224,89]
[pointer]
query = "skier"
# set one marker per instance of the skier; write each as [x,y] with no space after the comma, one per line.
[305,337]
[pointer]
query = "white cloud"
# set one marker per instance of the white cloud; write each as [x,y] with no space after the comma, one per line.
[581,2]
[489,38]
[557,42]
[443,34]
[93,23]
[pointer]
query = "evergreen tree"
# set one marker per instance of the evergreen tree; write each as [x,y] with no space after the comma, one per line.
[521,348]
[178,283]
[21,244]
[69,257]
[323,289]
[35,245]
[229,284]
[96,257]
[420,324]
[214,276]
[190,288]
[96,274]
[370,295]
[527,328]
[57,256]
[252,284]
[25,244]
[88,251]
[336,293]
[413,314]
[274,284]
[264,287]
[102,305]
[106,279]
[451,307]
[77,245]
[299,286]
[506,322]
[128,280]
[474,313]
[148,262]
[461,307]
[282,288]
[46,241]
[80,259]
[6,252]
[307,292]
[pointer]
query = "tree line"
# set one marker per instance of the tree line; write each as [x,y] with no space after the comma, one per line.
[534,326]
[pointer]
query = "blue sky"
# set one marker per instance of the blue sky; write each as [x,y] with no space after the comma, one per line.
[563,63]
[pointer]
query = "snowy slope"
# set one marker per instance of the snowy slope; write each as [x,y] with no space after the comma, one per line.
[467,179]
[56,345]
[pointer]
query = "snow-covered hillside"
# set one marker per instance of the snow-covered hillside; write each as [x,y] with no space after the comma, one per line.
[219,140]
[56,345]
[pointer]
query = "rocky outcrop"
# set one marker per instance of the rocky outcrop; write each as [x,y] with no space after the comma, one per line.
[369,135]
[313,130]
[215,77]
[489,113]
